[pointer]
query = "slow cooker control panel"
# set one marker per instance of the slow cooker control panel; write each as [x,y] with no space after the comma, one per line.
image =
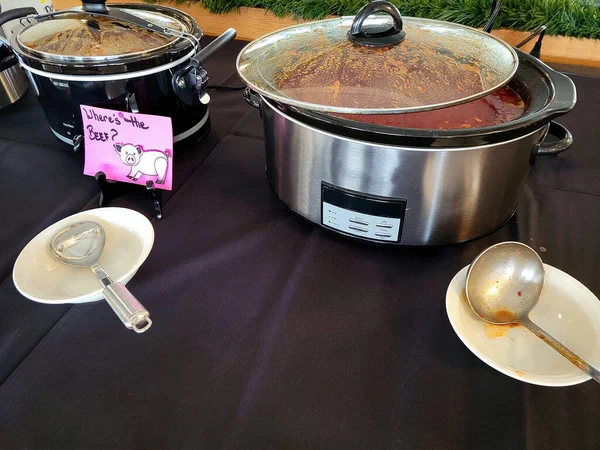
[366,216]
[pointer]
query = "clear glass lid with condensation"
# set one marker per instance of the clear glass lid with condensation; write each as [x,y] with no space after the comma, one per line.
[79,34]
[384,64]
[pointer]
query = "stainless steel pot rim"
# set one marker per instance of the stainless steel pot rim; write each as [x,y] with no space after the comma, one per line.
[399,146]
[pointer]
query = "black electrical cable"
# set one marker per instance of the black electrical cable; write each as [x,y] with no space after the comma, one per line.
[226,88]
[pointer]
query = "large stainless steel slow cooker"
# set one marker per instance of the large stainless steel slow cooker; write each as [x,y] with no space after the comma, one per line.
[136,58]
[394,185]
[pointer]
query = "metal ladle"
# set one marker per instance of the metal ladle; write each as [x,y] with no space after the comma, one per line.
[504,284]
[81,245]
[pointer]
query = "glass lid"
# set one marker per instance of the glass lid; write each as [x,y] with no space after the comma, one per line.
[77,34]
[376,64]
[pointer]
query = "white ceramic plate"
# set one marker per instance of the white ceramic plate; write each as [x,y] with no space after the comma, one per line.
[567,310]
[41,278]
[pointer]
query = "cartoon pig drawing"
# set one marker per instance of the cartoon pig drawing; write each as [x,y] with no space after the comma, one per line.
[144,162]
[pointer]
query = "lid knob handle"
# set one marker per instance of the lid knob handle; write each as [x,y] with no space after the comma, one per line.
[95,6]
[375,36]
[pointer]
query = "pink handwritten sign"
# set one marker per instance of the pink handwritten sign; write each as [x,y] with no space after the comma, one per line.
[128,147]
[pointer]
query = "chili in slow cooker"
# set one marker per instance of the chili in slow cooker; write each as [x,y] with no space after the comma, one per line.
[98,36]
[501,106]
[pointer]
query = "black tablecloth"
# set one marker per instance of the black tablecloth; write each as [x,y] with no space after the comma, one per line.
[270,332]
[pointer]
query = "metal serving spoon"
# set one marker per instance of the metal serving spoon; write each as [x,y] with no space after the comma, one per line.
[81,245]
[504,284]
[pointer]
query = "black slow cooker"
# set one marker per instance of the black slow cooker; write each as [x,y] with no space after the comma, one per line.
[135,58]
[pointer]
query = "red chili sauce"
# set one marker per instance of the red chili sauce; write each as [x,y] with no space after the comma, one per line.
[502,105]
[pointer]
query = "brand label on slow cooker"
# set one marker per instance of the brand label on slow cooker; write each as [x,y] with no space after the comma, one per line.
[60,84]
[133,148]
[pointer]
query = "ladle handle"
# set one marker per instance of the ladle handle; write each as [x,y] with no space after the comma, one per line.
[581,363]
[128,308]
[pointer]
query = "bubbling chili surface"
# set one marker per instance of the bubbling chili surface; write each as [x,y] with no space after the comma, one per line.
[502,105]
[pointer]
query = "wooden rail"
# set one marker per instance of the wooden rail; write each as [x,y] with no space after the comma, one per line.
[251,23]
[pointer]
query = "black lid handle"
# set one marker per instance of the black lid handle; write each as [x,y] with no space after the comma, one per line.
[377,37]
[95,6]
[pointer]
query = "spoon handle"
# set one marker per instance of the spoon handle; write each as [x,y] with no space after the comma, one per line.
[581,363]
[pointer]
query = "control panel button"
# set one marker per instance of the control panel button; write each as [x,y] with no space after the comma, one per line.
[359,222]
[383,235]
[385,225]
[355,228]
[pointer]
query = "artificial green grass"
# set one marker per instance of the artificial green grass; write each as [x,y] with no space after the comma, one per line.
[576,18]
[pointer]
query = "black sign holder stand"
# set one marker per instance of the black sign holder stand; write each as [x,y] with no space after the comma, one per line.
[111,190]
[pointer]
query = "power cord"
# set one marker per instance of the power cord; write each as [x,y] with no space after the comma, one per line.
[226,88]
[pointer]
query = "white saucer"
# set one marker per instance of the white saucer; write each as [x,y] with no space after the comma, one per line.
[567,310]
[41,278]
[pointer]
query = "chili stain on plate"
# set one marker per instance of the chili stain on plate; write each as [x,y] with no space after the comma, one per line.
[519,373]
[494,331]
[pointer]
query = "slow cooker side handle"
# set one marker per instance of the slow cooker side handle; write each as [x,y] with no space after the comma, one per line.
[252,98]
[16,13]
[564,98]
[565,139]
[565,93]
[189,82]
